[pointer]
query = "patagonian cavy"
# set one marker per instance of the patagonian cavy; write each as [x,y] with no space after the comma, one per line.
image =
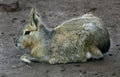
[75,40]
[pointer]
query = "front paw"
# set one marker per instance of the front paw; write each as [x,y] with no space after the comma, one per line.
[52,61]
[25,59]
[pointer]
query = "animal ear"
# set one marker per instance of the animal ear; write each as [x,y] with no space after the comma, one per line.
[34,19]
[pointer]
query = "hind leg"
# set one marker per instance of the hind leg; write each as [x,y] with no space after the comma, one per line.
[96,53]
[28,58]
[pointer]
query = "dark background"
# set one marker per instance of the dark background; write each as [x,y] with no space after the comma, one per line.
[14,15]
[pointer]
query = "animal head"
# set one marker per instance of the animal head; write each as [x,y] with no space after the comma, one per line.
[30,33]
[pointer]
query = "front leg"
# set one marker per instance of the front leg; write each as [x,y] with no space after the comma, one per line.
[28,58]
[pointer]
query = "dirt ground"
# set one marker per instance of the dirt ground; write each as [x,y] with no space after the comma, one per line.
[14,15]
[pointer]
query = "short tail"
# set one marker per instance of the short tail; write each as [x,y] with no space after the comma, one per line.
[104,48]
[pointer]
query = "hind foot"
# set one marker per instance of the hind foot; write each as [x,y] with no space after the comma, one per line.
[96,53]
[97,56]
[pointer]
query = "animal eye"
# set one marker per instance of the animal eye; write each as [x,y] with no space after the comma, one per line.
[27,32]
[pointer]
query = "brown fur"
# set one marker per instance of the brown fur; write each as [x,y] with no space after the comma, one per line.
[68,42]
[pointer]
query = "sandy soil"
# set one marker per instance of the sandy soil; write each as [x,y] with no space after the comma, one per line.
[14,15]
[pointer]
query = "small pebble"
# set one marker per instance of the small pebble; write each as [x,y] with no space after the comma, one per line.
[2,33]
[14,19]
[118,48]
[117,45]
[95,73]
[47,71]
[83,72]
[113,74]
[22,21]
[14,66]
[62,70]
[110,54]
